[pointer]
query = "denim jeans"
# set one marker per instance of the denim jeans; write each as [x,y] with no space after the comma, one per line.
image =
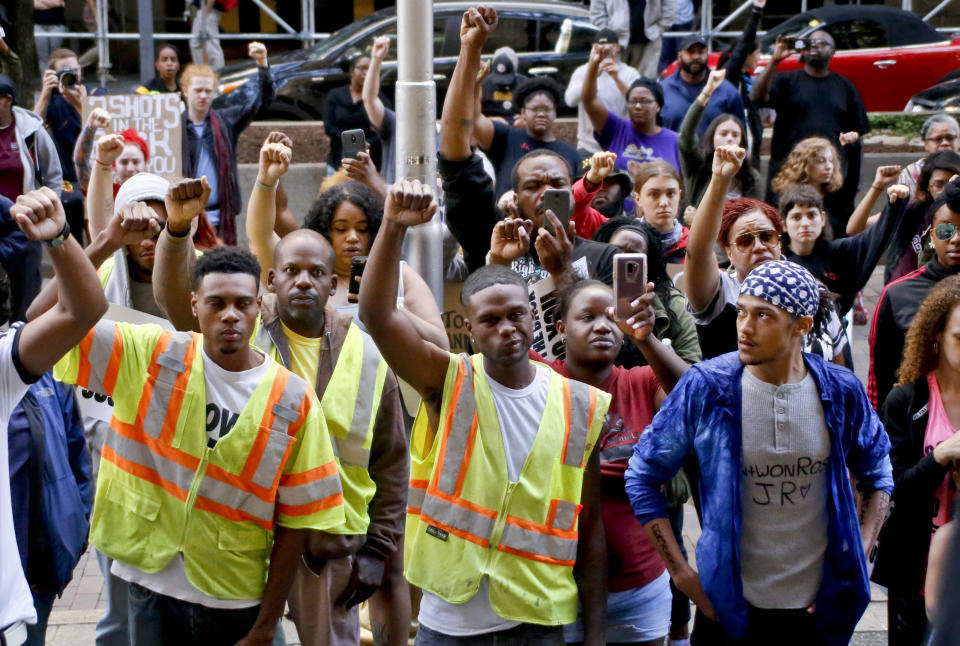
[159,620]
[522,635]
[112,628]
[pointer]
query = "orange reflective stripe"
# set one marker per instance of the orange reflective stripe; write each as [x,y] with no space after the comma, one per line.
[460,517]
[98,353]
[538,542]
[540,528]
[113,367]
[333,500]
[465,535]
[83,368]
[537,557]
[144,473]
[205,504]
[451,412]
[415,495]
[317,473]
[581,402]
[236,500]
[179,390]
[471,438]
[218,473]
[270,451]
[566,417]
[136,434]
[563,514]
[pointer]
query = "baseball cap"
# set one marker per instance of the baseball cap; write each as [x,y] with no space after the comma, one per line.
[622,178]
[8,87]
[142,187]
[691,40]
[606,36]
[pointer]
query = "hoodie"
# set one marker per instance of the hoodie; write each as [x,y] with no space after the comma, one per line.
[41,165]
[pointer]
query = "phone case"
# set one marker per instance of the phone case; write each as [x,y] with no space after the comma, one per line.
[357,265]
[558,200]
[629,281]
[353,142]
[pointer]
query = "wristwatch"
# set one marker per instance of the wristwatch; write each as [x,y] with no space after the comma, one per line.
[60,237]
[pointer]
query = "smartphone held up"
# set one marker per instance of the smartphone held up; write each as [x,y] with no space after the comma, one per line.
[629,282]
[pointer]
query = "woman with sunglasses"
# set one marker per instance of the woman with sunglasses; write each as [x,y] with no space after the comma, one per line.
[921,416]
[749,231]
[638,586]
[639,138]
[902,298]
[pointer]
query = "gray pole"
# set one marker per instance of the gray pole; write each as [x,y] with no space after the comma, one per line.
[145,25]
[103,42]
[417,131]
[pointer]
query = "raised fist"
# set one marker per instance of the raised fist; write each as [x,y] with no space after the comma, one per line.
[380,48]
[39,214]
[275,157]
[258,52]
[476,26]
[898,192]
[136,222]
[727,160]
[510,240]
[714,80]
[601,165]
[185,200]
[409,203]
[98,118]
[109,147]
[847,138]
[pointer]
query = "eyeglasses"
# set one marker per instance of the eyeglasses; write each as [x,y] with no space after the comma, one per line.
[643,102]
[768,238]
[818,42]
[945,231]
[944,139]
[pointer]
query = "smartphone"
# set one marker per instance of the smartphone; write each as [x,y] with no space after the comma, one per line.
[560,201]
[629,282]
[357,265]
[795,43]
[353,142]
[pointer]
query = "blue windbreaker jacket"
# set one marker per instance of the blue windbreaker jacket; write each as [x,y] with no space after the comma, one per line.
[702,416]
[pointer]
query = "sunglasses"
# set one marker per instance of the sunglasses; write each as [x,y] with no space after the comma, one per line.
[945,231]
[768,238]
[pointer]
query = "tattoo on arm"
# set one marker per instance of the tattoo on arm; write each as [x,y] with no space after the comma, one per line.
[466,122]
[381,635]
[661,542]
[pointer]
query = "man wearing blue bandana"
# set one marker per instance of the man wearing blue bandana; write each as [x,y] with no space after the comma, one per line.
[774,432]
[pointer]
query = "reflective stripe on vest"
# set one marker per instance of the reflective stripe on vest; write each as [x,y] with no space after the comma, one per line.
[415,495]
[363,394]
[170,369]
[443,506]
[99,358]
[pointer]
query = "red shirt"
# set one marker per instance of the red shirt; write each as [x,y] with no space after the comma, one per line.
[632,560]
[11,166]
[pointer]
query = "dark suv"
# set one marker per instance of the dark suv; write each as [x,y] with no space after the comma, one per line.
[551,39]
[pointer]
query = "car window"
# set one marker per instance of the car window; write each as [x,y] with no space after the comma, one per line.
[564,36]
[790,27]
[858,34]
[365,44]
[517,32]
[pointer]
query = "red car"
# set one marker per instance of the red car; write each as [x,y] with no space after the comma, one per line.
[888,53]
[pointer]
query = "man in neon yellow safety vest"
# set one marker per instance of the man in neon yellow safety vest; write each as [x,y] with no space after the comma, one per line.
[218,463]
[504,533]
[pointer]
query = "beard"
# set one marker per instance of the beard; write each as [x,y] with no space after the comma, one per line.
[612,209]
[693,67]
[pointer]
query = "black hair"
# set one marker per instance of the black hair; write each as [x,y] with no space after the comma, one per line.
[320,216]
[162,46]
[534,85]
[802,195]
[352,63]
[655,89]
[656,264]
[568,293]
[941,160]
[825,307]
[488,276]
[226,260]
[745,175]
[539,152]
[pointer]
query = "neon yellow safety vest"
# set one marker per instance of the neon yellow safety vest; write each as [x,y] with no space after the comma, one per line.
[161,490]
[350,404]
[465,519]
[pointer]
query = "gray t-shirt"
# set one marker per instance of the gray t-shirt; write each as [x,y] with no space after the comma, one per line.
[786,485]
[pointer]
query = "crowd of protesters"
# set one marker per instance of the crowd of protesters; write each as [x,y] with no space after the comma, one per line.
[239,434]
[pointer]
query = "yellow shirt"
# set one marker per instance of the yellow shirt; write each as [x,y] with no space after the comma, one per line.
[304,354]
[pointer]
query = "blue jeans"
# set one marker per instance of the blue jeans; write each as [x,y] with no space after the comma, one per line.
[112,628]
[36,633]
[522,635]
[159,620]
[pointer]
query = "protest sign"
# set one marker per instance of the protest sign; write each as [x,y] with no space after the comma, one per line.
[155,117]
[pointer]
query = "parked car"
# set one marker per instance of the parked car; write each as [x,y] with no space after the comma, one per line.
[550,38]
[942,97]
[888,53]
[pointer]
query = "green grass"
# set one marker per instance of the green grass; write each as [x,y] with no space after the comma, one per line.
[899,125]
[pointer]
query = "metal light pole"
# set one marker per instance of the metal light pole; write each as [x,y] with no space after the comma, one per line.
[416,150]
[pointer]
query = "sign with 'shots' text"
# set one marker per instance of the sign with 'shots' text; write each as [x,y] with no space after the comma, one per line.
[155,117]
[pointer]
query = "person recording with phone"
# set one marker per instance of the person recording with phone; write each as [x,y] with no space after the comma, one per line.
[813,102]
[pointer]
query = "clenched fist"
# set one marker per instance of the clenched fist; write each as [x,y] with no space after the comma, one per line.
[409,203]
[184,201]
[39,214]
[109,148]
[275,157]
[136,222]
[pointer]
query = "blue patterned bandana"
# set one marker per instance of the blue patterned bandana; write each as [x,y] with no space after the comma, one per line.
[785,285]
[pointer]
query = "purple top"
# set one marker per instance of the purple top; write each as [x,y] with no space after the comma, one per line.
[633,148]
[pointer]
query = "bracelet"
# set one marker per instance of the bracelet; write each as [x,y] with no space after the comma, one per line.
[264,187]
[102,164]
[171,233]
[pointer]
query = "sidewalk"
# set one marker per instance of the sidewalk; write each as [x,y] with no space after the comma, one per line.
[75,614]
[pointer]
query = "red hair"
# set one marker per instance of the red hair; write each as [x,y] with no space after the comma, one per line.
[739,207]
[131,136]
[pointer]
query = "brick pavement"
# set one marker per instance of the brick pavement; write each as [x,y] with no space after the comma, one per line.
[77,611]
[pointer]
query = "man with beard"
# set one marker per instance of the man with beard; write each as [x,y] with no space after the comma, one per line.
[685,85]
[300,329]
[778,435]
[504,145]
[599,195]
[469,196]
[813,102]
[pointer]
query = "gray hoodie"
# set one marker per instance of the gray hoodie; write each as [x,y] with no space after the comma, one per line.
[41,164]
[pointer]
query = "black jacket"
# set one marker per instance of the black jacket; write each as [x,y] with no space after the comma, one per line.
[898,304]
[905,539]
[735,74]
